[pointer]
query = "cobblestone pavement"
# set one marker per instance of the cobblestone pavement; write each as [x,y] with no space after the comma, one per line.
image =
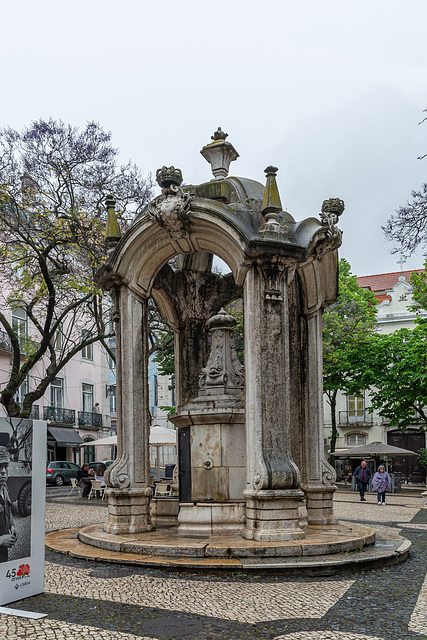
[88,600]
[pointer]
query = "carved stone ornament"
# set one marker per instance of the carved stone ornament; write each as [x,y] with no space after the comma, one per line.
[328,473]
[223,373]
[170,210]
[329,216]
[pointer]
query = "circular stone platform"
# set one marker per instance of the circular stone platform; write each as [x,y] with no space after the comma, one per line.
[325,549]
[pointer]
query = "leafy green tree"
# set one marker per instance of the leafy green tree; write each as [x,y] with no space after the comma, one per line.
[347,325]
[419,284]
[394,366]
[54,180]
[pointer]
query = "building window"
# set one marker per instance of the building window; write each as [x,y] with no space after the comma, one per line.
[356,406]
[155,391]
[111,360]
[22,392]
[58,339]
[87,397]
[57,393]
[87,351]
[355,439]
[19,322]
[89,452]
[113,406]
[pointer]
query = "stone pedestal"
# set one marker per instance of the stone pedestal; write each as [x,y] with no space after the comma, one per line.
[128,511]
[164,512]
[202,519]
[320,505]
[218,467]
[273,515]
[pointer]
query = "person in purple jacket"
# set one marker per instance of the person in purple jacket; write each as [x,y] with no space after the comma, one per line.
[381,483]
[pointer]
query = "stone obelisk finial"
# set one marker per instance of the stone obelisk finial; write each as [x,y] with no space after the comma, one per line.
[219,154]
[271,205]
[223,374]
[112,229]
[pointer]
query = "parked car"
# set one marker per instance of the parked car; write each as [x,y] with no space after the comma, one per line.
[19,486]
[95,465]
[60,472]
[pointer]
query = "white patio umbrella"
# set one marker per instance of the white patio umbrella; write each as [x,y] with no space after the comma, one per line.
[102,442]
[159,437]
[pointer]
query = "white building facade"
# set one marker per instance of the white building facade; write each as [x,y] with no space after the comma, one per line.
[356,424]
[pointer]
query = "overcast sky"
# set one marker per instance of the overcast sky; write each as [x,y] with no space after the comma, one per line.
[330,92]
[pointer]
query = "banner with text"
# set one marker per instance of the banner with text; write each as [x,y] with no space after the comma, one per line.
[22,508]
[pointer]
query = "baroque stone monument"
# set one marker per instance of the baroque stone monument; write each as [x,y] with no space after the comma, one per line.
[250,442]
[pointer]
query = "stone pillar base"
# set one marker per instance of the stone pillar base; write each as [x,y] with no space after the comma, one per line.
[164,512]
[273,515]
[320,504]
[128,511]
[211,519]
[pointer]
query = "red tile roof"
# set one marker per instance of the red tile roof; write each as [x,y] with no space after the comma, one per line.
[384,281]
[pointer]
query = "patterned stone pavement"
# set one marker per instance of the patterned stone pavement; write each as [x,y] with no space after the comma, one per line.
[97,601]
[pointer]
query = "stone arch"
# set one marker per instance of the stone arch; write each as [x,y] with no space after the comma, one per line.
[212,230]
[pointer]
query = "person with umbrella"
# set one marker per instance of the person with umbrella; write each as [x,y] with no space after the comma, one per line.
[381,483]
[362,475]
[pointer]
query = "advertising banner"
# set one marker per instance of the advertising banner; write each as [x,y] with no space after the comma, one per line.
[22,507]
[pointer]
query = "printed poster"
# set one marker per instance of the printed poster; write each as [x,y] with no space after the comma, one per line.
[22,508]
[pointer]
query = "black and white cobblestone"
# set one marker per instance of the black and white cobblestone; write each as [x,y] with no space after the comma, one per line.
[85,602]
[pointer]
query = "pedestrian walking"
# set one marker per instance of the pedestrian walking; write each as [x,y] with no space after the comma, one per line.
[363,475]
[381,483]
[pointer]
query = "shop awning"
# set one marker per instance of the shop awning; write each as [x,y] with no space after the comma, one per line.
[65,437]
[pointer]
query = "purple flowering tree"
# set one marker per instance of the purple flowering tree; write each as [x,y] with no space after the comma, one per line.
[54,179]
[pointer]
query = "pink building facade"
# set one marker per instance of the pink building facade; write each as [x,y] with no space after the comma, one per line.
[76,404]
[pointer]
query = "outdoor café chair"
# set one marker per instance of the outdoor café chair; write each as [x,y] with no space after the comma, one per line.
[96,486]
[74,486]
[162,490]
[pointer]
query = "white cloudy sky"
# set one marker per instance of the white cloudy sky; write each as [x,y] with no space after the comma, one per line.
[331,92]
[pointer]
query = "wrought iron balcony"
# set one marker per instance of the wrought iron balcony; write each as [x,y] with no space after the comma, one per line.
[361,416]
[5,342]
[59,416]
[89,419]
[35,411]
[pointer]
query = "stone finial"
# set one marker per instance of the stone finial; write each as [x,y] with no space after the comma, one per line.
[112,228]
[167,176]
[333,205]
[219,154]
[271,204]
[219,134]
[332,209]
[223,374]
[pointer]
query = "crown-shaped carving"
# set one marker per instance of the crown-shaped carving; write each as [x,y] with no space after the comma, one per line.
[168,175]
[333,205]
[219,134]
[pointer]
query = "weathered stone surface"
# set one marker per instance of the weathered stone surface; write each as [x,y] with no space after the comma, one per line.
[287,272]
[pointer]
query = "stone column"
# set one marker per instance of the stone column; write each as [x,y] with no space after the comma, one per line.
[272,493]
[318,476]
[319,289]
[128,478]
